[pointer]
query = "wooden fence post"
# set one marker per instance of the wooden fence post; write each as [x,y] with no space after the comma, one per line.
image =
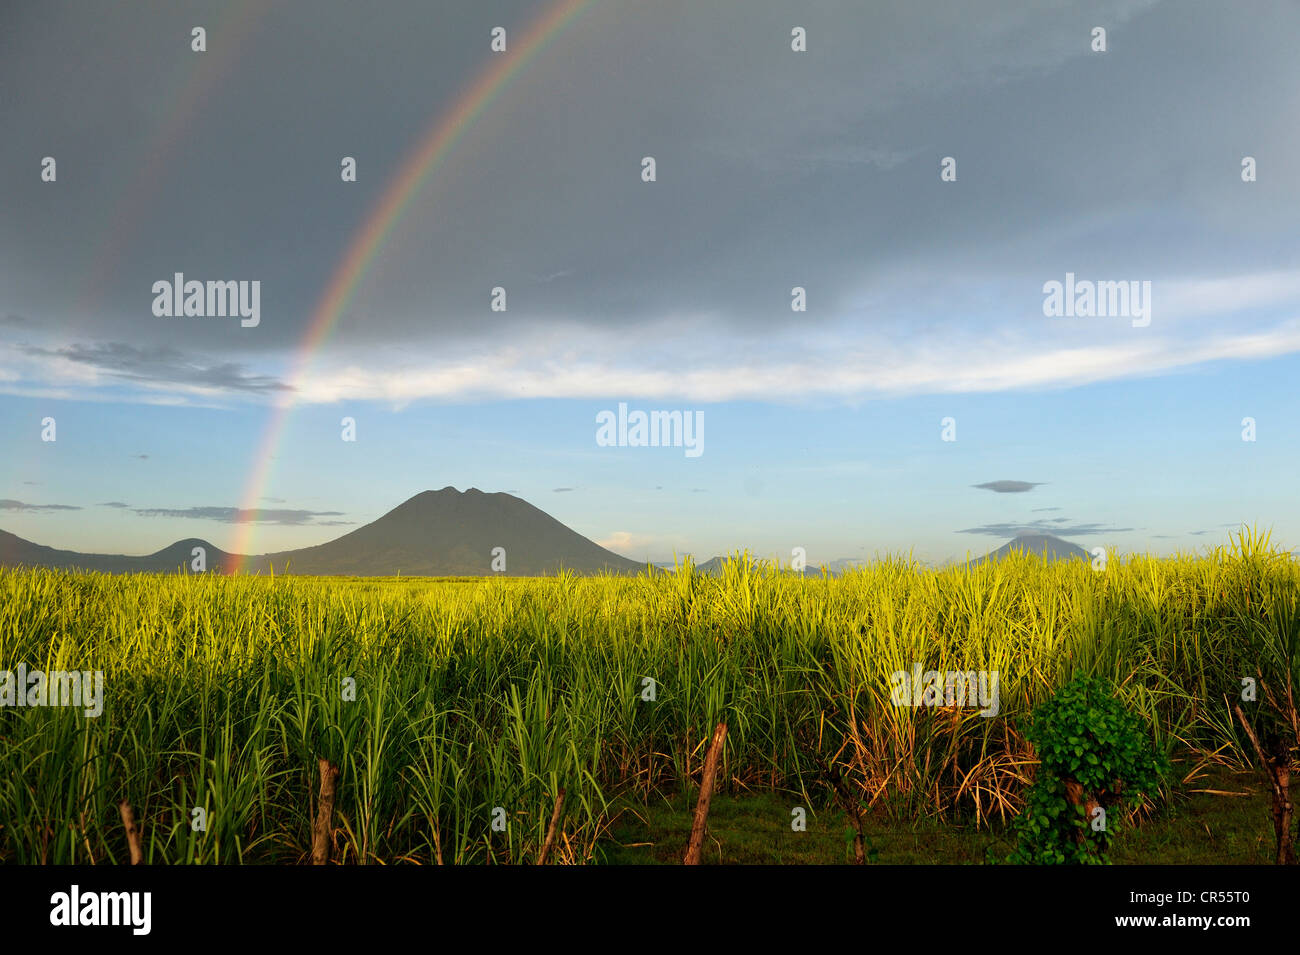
[696,843]
[321,831]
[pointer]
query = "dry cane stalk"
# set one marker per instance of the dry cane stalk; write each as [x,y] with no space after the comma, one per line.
[132,833]
[1279,765]
[1282,811]
[1279,778]
[1295,713]
[696,843]
[853,812]
[320,840]
[550,830]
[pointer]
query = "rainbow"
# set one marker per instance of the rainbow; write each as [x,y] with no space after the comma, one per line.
[425,157]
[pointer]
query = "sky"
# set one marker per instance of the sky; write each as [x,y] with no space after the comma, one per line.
[922,171]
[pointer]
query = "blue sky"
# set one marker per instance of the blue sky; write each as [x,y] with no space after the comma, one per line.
[776,169]
[1155,464]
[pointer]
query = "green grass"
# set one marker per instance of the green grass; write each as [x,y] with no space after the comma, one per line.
[470,694]
[1196,828]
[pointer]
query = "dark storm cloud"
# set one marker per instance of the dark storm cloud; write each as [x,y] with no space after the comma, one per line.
[774,169]
[8,504]
[1009,487]
[237,515]
[151,182]
[162,364]
[1073,530]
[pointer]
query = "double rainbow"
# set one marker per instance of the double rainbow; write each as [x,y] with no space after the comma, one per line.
[427,156]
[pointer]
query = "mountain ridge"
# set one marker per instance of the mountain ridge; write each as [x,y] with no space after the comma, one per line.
[441,533]
[1048,546]
[434,533]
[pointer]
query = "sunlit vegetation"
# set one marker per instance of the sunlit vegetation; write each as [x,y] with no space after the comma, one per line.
[222,693]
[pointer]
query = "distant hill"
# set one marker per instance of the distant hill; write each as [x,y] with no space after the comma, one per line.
[1044,545]
[14,551]
[450,532]
[435,533]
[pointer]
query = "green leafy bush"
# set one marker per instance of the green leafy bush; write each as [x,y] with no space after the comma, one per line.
[1093,754]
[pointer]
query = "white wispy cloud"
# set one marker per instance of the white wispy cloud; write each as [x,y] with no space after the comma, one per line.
[691,357]
[783,371]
